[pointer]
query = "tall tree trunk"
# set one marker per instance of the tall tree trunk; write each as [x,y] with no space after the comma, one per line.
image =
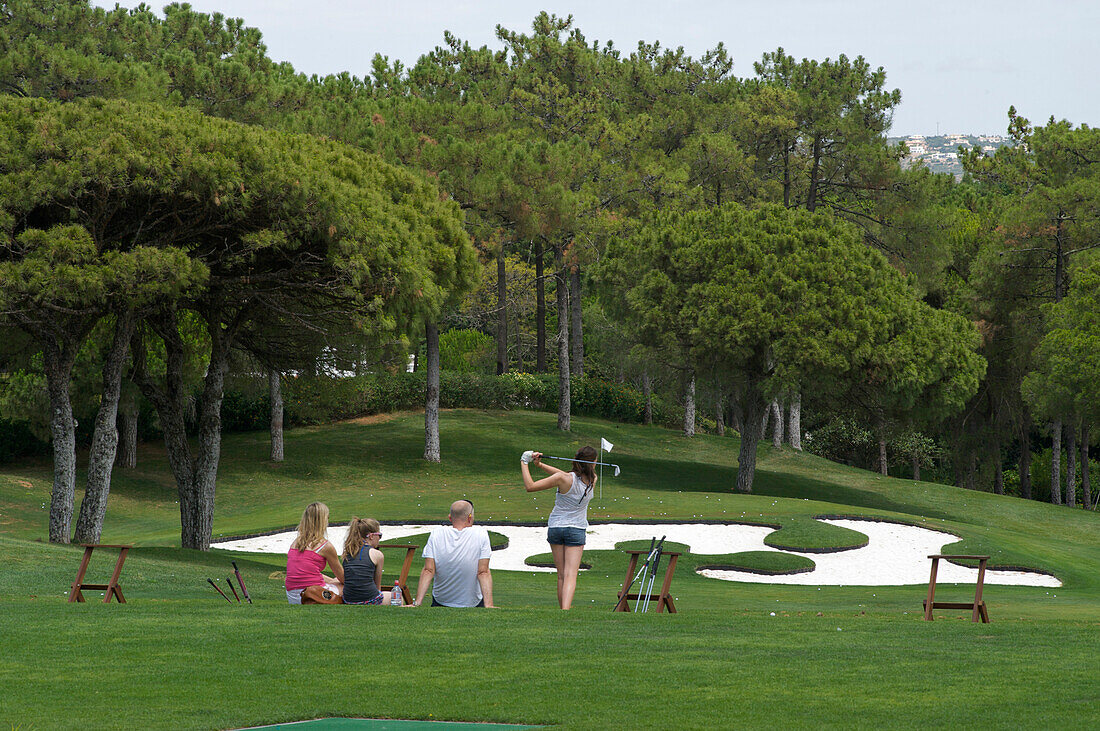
[1086,488]
[58,362]
[1056,462]
[1071,466]
[101,455]
[777,424]
[689,405]
[1025,457]
[815,172]
[786,175]
[562,293]
[794,421]
[916,465]
[880,433]
[647,394]
[765,419]
[540,311]
[750,409]
[275,390]
[431,404]
[502,314]
[575,328]
[720,416]
[971,468]
[195,475]
[128,415]
[998,467]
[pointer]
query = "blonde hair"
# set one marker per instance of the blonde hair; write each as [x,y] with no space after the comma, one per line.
[358,530]
[312,528]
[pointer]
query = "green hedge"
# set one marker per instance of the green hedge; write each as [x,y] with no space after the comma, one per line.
[17,441]
[319,400]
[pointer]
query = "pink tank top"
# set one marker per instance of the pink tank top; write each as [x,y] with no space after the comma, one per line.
[303,568]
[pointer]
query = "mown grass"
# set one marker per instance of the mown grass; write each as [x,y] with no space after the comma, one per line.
[177,656]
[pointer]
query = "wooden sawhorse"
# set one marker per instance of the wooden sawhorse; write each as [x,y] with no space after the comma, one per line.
[112,588]
[664,601]
[403,577]
[978,605]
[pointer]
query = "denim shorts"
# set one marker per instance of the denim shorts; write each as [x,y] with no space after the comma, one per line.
[565,536]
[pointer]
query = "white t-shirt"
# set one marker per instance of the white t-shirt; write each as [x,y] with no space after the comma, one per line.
[456,553]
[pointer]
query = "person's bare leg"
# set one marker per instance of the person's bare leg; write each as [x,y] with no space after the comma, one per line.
[572,566]
[558,551]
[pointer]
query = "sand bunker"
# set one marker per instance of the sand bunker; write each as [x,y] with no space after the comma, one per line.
[894,555]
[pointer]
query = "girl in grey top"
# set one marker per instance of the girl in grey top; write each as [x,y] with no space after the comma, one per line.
[569,518]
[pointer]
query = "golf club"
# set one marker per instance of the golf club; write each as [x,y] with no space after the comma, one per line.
[219,591]
[229,580]
[240,581]
[644,572]
[584,461]
[653,574]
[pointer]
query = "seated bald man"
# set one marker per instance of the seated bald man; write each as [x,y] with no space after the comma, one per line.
[456,562]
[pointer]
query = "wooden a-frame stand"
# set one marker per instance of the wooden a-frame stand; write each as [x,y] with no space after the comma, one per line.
[111,587]
[664,601]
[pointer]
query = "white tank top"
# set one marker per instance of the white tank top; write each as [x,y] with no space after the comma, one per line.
[571,508]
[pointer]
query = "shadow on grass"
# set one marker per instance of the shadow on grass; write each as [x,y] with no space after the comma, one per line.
[666,475]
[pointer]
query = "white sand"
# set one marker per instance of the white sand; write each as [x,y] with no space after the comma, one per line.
[895,554]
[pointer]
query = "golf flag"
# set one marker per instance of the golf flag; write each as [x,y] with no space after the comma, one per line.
[605,445]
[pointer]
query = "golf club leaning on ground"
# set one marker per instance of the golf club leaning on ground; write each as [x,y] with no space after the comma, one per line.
[652,574]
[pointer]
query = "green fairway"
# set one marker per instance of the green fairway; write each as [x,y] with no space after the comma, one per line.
[178,656]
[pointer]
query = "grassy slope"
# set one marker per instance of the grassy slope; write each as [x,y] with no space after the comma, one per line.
[723,660]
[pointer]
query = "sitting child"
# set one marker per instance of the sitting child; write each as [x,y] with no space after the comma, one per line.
[309,554]
[363,564]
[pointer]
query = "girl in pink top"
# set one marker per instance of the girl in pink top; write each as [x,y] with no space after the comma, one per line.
[309,554]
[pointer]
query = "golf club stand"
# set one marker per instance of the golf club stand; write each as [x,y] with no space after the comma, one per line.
[646,577]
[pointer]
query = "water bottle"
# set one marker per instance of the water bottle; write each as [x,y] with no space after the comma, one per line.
[396,599]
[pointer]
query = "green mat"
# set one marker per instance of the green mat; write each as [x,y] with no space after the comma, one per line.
[384,724]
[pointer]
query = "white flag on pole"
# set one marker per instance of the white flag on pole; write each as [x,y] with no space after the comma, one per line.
[605,445]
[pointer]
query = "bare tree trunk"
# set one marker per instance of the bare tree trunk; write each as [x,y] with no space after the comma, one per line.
[720,416]
[750,409]
[58,362]
[815,172]
[562,287]
[880,432]
[689,406]
[101,455]
[540,311]
[1025,458]
[275,390]
[575,328]
[777,424]
[1056,462]
[916,466]
[765,419]
[1071,466]
[196,476]
[794,423]
[647,393]
[209,453]
[502,314]
[431,404]
[998,467]
[1086,488]
[128,414]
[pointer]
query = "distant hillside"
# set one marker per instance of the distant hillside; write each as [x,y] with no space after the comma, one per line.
[940,153]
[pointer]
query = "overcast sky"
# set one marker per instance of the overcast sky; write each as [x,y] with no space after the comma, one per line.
[959,64]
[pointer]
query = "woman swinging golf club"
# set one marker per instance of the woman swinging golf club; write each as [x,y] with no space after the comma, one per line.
[569,519]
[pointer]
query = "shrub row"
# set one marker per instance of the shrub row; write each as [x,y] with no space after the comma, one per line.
[312,400]
[318,400]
